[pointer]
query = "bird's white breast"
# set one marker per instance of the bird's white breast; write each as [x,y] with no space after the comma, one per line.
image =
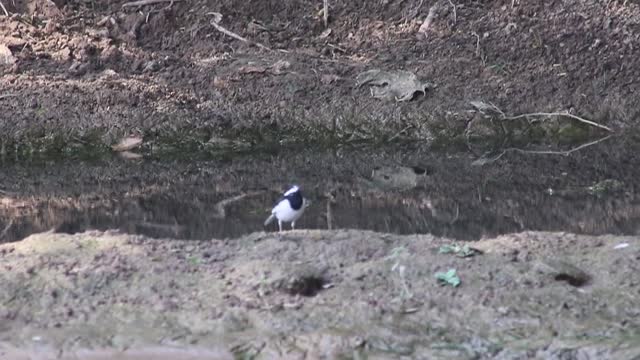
[284,212]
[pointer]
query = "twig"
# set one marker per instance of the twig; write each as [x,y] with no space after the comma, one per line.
[428,20]
[145,2]
[396,135]
[540,152]
[221,212]
[6,13]
[589,122]
[7,96]
[325,13]
[6,229]
[477,42]
[236,36]
[455,15]
[329,213]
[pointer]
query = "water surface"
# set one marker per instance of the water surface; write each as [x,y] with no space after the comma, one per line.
[405,190]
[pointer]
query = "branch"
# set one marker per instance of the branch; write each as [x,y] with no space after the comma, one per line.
[234,35]
[589,122]
[483,161]
[6,13]
[145,2]
[325,13]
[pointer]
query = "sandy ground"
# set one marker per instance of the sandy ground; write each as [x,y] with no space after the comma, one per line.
[321,294]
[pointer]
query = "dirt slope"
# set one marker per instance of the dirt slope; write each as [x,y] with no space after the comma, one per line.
[108,70]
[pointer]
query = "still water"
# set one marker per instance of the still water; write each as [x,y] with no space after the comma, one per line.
[405,190]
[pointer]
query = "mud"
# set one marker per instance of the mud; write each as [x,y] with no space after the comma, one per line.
[389,189]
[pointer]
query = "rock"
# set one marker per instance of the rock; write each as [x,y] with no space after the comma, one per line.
[6,57]
[12,41]
[62,55]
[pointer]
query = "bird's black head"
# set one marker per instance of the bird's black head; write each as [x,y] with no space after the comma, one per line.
[294,196]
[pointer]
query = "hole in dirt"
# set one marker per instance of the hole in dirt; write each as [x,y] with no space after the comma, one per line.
[306,286]
[572,280]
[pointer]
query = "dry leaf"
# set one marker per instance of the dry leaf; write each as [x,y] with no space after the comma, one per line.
[325,34]
[127,143]
[397,85]
[279,66]
[327,79]
[128,155]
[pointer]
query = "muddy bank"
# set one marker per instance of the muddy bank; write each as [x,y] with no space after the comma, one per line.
[529,295]
[75,72]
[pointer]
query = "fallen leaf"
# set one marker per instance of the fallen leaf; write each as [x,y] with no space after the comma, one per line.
[450,277]
[279,66]
[325,34]
[127,144]
[397,85]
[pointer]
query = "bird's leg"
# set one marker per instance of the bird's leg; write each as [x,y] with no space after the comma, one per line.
[293,225]
[280,225]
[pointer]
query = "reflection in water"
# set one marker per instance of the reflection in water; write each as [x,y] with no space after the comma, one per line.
[407,190]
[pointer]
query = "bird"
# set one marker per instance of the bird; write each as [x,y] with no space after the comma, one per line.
[289,208]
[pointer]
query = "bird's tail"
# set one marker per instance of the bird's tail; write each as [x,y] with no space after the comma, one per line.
[269,220]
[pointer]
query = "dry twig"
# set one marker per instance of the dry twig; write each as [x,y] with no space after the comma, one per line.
[145,2]
[455,14]
[220,207]
[428,20]
[483,161]
[6,13]
[589,122]
[325,13]
[220,28]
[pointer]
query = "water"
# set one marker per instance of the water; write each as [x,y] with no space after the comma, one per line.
[403,190]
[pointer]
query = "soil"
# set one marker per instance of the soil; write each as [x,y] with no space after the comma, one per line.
[319,294]
[77,69]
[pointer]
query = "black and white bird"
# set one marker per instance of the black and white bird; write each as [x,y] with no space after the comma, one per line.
[289,208]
